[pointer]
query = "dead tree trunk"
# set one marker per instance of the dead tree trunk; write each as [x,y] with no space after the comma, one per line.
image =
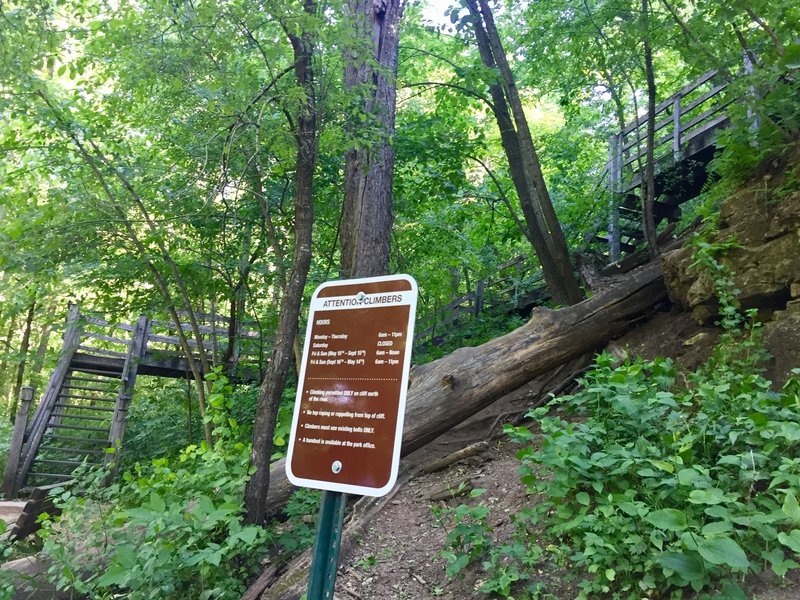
[283,351]
[449,390]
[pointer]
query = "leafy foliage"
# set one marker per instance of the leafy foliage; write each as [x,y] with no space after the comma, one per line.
[170,529]
[654,483]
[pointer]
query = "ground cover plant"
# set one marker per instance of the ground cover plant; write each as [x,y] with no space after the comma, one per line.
[168,529]
[656,483]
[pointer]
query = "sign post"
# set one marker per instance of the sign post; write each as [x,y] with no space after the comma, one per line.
[348,416]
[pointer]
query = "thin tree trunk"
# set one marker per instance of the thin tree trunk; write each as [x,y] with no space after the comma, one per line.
[44,341]
[649,188]
[269,226]
[546,235]
[23,358]
[370,71]
[282,353]
[12,327]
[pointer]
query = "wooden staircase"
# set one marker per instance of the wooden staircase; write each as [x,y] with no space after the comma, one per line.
[83,411]
[687,125]
[81,415]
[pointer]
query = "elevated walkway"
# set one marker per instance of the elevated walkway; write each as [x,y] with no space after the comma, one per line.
[82,413]
[686,129]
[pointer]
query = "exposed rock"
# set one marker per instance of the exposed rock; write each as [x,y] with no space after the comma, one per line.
[763,222]
[782,340]
[765,262]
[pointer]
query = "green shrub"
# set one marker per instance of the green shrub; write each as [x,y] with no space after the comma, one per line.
[170,529]
[654,485]
[655,482]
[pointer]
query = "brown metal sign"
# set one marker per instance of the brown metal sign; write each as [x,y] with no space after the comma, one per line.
[348,416]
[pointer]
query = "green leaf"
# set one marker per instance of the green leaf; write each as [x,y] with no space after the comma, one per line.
[723,551]
[717,528]
[583,498]
[663,465]
[116,574]
[125,555]
[792,539]
[791,508]
[157,503]
[687,476]
[248,535]
[684,564]
[709,496]
[731,591]
[668,518]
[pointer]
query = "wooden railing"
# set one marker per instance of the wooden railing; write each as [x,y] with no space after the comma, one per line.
[682,120]
[685,124]
[102,338]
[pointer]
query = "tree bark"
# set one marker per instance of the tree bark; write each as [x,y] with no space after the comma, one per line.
[370,70]
[282,352]
[649,187]
[449,390]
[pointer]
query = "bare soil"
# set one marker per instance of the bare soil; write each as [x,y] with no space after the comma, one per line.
[398,559]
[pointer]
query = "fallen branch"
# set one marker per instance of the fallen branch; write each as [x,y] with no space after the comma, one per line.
[454,457]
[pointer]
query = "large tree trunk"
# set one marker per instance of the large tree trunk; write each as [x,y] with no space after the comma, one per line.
[370,70]
[547,237]
[449,390]
[282,353]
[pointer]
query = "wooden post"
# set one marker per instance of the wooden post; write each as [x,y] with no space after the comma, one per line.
[615,144]
[676,128]
[136,350]
[14,451]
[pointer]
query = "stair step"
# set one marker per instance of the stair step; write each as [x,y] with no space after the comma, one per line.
[54,475]
[88,379]
[83,407]
[78,439]
[88,389]
[79,428]
[109,374]
[73,450]
[47,461]
[80,417]
[96,399]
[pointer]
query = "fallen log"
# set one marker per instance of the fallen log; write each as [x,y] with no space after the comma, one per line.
[459,385]
[447,391]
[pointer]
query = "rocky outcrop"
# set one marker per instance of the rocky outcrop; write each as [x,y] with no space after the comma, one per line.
[762,224]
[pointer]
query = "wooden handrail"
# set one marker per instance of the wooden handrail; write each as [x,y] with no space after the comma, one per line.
[660,107]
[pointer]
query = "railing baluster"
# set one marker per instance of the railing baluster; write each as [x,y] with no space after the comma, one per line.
[676,128]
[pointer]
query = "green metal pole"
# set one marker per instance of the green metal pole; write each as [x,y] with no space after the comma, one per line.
[325,560]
